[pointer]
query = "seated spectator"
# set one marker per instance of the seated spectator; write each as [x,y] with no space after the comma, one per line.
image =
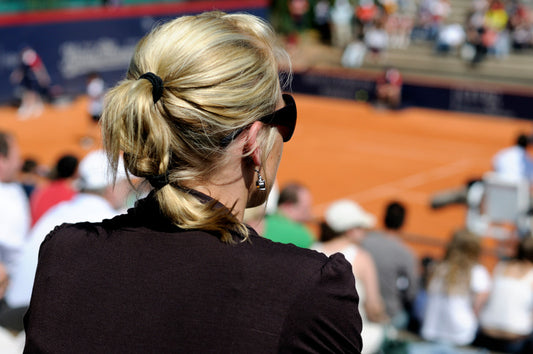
[521,27]
[365,14]
[287,225]
[341,23]
[59,189]
[507,319]
[495,21]
[422,25]
[457,291]
[390,6]
[450,38]
[440,11]
[398,27]
[396,265]
[354,54]
[322,20]
[376,39]
[343,231]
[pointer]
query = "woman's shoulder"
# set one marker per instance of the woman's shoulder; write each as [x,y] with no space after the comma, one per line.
[299,258]
[70,233]
[322,291]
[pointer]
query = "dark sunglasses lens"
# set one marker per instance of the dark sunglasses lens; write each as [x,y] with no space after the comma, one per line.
[286,118]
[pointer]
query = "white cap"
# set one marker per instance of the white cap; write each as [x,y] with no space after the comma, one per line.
[95,173]
[346,214]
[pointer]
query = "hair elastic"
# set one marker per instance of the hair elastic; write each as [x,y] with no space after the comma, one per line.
[159,181]
[157,85]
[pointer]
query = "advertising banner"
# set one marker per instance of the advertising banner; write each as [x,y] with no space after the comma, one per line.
[74,43]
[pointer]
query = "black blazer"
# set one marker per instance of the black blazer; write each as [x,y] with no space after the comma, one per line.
[138,284]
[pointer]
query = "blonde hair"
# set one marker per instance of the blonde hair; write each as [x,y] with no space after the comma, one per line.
[462,254]
[220,73]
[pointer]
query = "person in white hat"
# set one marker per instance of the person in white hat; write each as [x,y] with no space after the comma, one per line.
[343,230]
[99,199]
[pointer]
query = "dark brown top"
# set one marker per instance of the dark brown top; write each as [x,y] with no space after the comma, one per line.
[138,284]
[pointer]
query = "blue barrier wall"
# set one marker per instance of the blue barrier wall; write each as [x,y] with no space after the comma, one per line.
[73,43]
[472,98]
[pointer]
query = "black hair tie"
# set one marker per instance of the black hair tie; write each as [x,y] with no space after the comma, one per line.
[159,181]
[157,85]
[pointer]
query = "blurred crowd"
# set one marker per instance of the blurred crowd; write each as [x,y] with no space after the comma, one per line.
[367,28]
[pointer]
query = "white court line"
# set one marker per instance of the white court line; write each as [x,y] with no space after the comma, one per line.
[392,188]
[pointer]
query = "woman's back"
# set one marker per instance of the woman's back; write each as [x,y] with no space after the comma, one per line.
[138,284]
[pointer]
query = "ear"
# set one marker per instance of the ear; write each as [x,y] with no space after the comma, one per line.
[251,146]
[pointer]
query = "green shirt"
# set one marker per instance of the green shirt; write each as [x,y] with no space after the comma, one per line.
[279,228]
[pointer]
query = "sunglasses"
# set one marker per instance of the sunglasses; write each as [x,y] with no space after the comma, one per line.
[284,119]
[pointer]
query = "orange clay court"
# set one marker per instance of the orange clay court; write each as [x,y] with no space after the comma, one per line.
[343,149]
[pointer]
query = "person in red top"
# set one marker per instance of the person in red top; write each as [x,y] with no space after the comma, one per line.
[59,189]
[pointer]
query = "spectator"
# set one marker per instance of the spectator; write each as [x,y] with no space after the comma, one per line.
[341,22]
[396,265]
[496,24]
[95,92]
[389,89]
[201,116]
[376,39]
[14,205]
[322,20]
[440,11]
[34,81]
[365,14]
[423,23]
[521,27]
[399,27]
[457,291]
[96,201]
[345,227]
[59,189]
[450,38]
[287,225]
[514,163]
[506,321]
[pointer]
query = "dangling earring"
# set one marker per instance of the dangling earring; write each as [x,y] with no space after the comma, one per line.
[260,183]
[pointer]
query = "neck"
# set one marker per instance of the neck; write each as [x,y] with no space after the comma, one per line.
[230,184]
[231,196]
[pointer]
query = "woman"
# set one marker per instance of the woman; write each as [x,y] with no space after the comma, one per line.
[506,321]
[201,116]
[343,231]
[457,290]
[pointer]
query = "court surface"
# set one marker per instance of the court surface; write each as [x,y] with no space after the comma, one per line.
[343,149]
